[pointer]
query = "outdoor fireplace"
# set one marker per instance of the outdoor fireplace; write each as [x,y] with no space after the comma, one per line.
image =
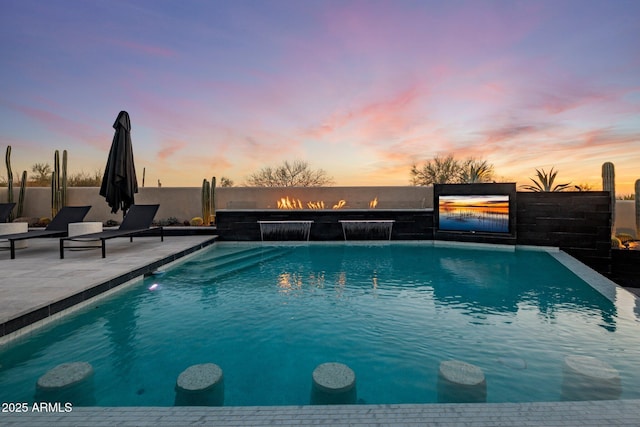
[322,213]
[292,203]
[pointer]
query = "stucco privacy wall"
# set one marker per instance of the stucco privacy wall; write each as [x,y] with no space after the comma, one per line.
[626,218]
[183,203]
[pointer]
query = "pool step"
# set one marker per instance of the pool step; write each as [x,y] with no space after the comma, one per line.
[232,263]
[240,255]
[215,258]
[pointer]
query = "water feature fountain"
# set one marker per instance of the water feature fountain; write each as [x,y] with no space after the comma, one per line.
[254,214]
[374,229]
[285,230]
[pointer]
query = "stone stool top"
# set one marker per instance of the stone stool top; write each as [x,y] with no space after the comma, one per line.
[461,372]
[591,367]
[199,377]
[65,375]
[334,377]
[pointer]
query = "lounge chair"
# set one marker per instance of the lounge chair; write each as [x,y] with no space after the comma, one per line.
[5,211]
[137,221]
[58,227]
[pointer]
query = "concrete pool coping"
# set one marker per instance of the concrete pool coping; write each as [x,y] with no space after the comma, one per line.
[38,286]
[71,276]
[587,413]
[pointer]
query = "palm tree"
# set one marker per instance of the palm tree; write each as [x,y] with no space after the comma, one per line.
[545,182]
[474,171]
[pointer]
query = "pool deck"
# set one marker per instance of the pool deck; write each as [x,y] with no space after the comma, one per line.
[38,284]
[37,280]
[597,414]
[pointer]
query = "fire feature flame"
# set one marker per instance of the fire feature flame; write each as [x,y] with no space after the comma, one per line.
[316,205]
[287,203]
[373,203]
[291,203]
[340,204]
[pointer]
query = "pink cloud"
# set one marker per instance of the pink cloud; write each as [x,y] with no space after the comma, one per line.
[563,96]
[376,119]
[169,148]
[83,132]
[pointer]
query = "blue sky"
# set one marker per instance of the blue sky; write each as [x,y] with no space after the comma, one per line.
[361,89]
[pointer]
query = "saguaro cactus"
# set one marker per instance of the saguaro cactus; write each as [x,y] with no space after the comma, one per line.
[58,183]
[23,184]
[206,201]
[7,159]
[55,185]
[63,180]
[609,184]
[638,208]
[213,200]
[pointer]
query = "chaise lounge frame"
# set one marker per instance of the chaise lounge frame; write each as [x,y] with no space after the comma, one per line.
[59,226]
[137,221]
[5,211]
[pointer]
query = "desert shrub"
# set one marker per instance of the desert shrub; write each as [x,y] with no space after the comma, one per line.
[43,222]
[172,220]
[624,237]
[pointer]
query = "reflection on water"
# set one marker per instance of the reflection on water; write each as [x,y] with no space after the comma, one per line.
[390,312]
[503,284]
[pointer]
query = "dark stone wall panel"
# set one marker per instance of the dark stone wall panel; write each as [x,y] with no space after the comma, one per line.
[577,222]
[243,225]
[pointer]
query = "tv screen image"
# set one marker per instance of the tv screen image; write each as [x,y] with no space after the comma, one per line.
[474,213]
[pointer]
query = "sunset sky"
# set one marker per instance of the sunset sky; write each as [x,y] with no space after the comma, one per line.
[361,89]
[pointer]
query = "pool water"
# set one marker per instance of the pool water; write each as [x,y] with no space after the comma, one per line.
[269,314]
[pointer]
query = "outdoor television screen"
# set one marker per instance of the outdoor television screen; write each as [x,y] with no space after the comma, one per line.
[474,213]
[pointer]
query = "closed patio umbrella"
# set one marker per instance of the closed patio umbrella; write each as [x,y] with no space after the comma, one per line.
[119,183]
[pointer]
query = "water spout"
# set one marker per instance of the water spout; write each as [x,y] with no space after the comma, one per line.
[378,229]
[285,230]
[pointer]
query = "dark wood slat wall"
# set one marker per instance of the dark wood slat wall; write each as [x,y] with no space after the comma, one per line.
[579,223]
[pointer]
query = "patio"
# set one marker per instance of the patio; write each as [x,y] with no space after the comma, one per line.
[38,283]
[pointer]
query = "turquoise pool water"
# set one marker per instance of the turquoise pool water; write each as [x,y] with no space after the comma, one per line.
[269,314]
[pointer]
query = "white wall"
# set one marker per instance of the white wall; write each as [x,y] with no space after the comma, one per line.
[184,203]
[626,218]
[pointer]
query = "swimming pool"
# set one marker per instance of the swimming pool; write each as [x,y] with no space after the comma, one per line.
[269,314]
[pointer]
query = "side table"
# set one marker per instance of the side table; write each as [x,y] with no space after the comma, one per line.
[13,228]
[80,228]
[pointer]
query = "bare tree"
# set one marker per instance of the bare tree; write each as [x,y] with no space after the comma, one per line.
[289,174]
[43,174]
[437,171]
[226,182]
[448,170]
